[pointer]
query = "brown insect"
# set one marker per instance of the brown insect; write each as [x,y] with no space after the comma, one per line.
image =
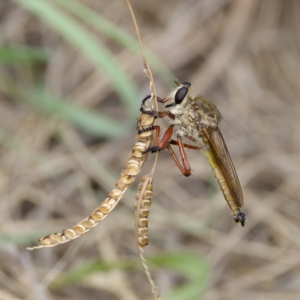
[197,119]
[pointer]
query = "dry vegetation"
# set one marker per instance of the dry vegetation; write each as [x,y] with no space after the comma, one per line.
[243,55]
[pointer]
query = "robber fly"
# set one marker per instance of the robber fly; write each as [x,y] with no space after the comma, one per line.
[197,119]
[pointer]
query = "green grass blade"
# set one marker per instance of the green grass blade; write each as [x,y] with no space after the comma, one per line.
[190,291]
[91,267]
[20,54]
[19,239]
[42,100]
[85,42]
[95,123]
[118,35]
[193,267]
[188,264]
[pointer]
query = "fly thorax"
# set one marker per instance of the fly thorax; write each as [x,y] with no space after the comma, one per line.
[177,110]
[209,120]
[180,132]
[206,114]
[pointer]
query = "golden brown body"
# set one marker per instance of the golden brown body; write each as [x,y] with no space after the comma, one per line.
[197,118]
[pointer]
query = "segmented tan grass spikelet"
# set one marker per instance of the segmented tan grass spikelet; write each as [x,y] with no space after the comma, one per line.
[132,168]
[142,205]
[142,240]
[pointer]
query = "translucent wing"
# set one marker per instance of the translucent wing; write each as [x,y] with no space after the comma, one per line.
[221,154]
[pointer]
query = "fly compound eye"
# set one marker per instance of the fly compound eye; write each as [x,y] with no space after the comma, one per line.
[180,94]
[186,84]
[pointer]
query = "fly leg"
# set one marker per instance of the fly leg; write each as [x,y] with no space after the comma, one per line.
[155,114]
[143,119]
[163,143]
[160,100]
[166,139]
[173,142]
[185,168]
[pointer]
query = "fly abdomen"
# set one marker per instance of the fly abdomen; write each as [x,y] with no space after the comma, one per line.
[234,207]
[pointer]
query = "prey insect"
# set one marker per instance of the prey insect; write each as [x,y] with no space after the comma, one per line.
[138,157]
[197,118]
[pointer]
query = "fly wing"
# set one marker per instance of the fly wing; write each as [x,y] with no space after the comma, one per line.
[220,151]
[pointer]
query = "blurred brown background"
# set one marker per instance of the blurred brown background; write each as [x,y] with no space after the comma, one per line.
[244,56]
